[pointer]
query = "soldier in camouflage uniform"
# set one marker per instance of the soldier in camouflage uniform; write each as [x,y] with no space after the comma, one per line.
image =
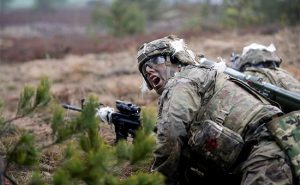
[209,124]
[261,61]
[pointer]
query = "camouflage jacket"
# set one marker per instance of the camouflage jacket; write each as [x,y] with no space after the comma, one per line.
[197,94]
[277,76]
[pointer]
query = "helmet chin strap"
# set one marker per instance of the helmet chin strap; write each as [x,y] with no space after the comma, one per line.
[169,66]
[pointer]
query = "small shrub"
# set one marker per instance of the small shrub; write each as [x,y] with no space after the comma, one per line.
[123,18]
[87,159]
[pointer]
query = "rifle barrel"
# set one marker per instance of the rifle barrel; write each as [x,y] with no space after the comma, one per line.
[70,107]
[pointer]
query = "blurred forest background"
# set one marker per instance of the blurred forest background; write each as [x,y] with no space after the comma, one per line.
[89,47]
[53,28]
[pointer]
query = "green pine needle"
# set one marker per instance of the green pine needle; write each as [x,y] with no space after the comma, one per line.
[57,118]
[25,101]
[143,147]
[123,150]
[144,179]
[148,119]
[25,153]
[36,179]
[43,95]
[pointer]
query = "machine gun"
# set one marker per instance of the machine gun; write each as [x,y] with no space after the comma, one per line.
[289,101]
[126,121]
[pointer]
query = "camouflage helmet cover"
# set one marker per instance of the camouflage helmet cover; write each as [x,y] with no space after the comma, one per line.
[170,45]
[256,56]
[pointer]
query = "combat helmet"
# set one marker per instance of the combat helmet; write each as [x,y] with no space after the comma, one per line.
[257,56]
[171,46]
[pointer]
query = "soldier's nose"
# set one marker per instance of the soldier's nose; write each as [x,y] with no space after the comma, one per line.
[149,70]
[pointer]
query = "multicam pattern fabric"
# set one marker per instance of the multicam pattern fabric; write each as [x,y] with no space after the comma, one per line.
[170,45]
[277,76]
[286,130]
[197,94]
[216,144]
[266,164]
[255,57]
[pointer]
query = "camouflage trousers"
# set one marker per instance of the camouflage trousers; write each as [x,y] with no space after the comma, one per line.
[266,165]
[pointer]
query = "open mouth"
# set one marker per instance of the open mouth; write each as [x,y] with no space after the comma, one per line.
[155,80]
[157,83]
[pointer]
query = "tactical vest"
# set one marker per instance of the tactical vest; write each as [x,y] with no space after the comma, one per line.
[232,104]
[236,106]
[277,76]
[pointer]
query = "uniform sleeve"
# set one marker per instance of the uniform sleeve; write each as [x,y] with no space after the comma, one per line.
[178,106]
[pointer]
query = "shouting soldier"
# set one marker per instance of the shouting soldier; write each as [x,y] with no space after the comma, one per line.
[210,128]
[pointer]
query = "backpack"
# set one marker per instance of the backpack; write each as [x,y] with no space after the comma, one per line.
[286,131]
[277,76]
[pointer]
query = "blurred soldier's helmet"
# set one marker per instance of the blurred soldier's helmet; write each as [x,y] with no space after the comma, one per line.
[170,46]
[256,55]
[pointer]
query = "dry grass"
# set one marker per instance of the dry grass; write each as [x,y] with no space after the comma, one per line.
[113,76]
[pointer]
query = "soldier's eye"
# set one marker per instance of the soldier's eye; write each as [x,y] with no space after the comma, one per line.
[144,69]
[157,60]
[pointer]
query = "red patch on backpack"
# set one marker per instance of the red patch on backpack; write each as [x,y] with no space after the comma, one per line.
[211,144]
